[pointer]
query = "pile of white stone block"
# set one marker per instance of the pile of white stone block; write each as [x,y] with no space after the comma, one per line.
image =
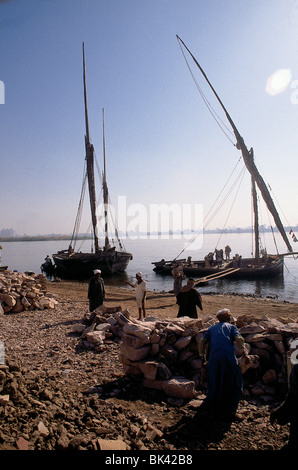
[23,291]
[164,353]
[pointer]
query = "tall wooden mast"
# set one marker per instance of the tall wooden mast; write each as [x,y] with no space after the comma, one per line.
[90,164]
[105,187]
[248,160]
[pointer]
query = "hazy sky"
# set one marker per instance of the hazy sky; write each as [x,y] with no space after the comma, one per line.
[162,144]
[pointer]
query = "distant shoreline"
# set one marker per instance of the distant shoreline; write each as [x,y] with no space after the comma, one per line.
[53,237]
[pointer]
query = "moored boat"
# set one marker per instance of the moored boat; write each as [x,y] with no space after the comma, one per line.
[249,268]
[260,265]
[75,264]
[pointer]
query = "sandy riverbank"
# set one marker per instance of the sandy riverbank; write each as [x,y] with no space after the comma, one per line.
[163,304]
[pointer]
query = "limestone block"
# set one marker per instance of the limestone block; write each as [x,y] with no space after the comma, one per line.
[184,355]
[78,328]
[103,327]
[141,331]
[112,321]
[25,302]
[132,341]
[8,299]
[18,307]
[95,337]
[253,328]
[175,329]
[106,444]
[155,337]
[135,354]
[122,319]
[179,387]
[182,342]
[254,338]
[149,369]
[163,372]
[46,302]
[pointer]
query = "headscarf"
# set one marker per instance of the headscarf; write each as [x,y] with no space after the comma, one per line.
[224,315]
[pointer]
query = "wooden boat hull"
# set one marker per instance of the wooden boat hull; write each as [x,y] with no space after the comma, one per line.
[82,265]
[250,268]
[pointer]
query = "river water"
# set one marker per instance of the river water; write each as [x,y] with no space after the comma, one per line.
[28,256]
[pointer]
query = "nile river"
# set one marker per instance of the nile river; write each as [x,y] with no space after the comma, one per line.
[28,256]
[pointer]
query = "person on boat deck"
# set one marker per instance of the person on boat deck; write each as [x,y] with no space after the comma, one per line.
[228,252]
[237,261]
[224,377]
[141,290]
[188,300]
[287,412]
[178,276]
[96,290]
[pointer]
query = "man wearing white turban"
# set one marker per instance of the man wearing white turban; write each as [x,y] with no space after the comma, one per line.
[141,289]
[96,290]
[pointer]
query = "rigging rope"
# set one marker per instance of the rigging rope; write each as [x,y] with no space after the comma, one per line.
[225,198]
[204,223]
[215,116]
[79,212]
[240,182]
[280,208]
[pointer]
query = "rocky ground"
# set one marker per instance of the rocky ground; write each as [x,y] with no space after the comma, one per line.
[57,395]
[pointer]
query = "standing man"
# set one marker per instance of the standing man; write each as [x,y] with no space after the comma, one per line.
[227,252]
[96,290]
[188,300]
[223,370]
[141,290]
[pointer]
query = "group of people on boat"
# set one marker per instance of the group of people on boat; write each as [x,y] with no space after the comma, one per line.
[219,257]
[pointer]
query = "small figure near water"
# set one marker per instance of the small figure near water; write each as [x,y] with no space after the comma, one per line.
[96,290]
[188,300]
[48,268]
[224,380]
[141,290]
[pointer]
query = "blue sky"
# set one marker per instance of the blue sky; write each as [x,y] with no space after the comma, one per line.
[162,144]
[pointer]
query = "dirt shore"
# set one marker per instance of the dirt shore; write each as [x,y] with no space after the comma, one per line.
[163,304]
[53,382]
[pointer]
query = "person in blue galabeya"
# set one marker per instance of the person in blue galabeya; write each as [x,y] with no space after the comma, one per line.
[224,377]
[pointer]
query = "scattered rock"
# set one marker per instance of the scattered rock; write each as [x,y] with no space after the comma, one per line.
[20,291]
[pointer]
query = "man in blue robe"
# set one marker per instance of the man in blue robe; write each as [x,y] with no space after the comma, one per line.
[224,377]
